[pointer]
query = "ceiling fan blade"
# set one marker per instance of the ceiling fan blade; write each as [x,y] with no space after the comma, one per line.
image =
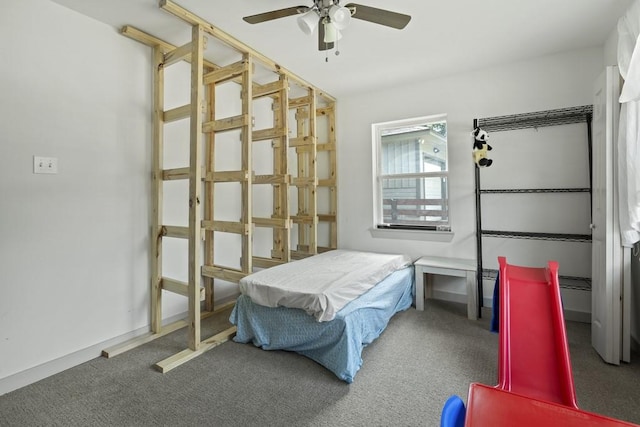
[275,14]
[321,43]
[379,16]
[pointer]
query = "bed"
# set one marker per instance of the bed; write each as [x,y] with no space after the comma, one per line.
[327,307]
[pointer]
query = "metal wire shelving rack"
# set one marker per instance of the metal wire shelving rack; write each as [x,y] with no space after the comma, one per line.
[563,116]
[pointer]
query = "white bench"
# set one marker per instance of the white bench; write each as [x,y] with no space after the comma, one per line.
[457,267]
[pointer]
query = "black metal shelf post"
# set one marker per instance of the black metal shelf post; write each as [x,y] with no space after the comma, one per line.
[479,238]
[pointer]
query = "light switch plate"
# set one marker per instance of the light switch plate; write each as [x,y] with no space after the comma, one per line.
[45,164]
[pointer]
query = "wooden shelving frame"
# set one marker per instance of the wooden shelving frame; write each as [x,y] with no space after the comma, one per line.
[202,176]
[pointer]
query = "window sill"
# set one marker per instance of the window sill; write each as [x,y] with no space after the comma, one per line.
[426,235]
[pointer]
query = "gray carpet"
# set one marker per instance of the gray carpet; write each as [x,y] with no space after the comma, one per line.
[419,361]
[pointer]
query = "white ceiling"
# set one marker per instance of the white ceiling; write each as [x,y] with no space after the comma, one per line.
[443,38]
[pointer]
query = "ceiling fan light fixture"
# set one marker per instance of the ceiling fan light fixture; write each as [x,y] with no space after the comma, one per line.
[308,22]
[331,18]
[331,32]
[340,16]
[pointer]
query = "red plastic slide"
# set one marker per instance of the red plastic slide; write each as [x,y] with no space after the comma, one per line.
[533,357]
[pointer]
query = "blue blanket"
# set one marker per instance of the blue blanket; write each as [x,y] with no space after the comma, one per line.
[336,344]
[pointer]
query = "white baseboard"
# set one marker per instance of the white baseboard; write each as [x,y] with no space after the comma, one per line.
[40,372]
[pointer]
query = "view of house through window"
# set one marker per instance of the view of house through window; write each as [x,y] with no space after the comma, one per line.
[411,174]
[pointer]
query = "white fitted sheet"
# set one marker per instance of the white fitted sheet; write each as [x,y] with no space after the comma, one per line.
[322,284]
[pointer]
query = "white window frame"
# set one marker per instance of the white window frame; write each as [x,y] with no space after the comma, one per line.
[442,233]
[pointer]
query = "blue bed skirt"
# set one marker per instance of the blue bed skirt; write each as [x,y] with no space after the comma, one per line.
[336,344]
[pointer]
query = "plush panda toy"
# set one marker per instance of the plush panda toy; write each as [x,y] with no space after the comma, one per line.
[480,147]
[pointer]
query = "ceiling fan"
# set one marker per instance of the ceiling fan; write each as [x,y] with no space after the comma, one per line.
[330,18]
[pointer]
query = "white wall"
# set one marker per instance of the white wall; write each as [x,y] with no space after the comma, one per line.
[558,81]
[74,246]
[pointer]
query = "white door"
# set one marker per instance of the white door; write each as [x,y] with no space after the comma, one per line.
[605,270]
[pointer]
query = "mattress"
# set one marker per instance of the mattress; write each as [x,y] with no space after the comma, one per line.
[337,344]
[323,284]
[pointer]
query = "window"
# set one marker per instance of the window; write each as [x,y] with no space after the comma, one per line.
[411,174]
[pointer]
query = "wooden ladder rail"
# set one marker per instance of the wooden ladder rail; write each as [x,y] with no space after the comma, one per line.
[281,248]
[306,180]
[330,182]
[197,127]
[192,289]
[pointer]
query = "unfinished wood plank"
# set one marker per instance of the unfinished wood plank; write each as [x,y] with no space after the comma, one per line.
[246,261]
[152,41]
[332,182]
[312,196]
[318,147]
[227,176]
[179,287]
[262,262]
[271,179]
[295,255]
[282,223]
[195,185]
[209,196]
[228,123]
[148,39]
[117,349]
[176,55]
[305,181]
[174,231]
[277,254]
[327,217]
[281,197]
[267,89]
[177,113]
[265,134]
[300,102]
[329,146]
[226,227]
[302,141]
[222,273]
[175,174]
[304,219]
[184,356]
[326,111]
[327,182]
[226,73]
[157,191]
[333,228]
[302,127]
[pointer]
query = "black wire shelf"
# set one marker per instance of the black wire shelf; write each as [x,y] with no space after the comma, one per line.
[537,119]
[566,282]
[535,190]
[537,236]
